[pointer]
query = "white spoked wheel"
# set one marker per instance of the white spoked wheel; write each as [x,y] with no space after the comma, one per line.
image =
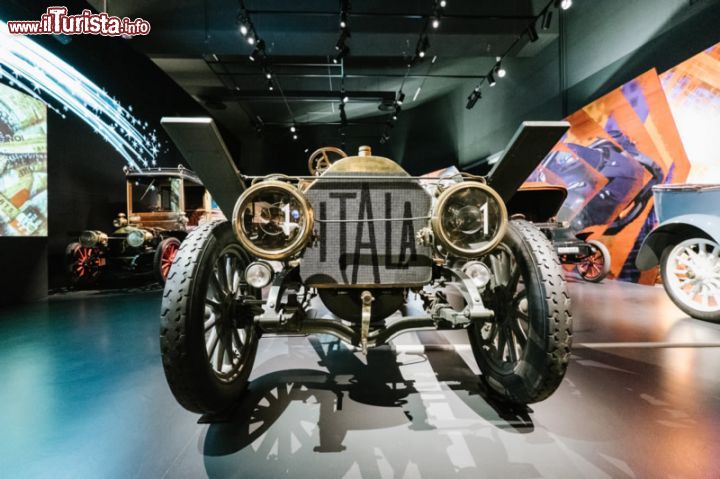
[691,275]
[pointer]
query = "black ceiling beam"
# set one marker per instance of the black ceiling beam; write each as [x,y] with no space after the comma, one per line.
[352,75]
[417,16]
[223,94]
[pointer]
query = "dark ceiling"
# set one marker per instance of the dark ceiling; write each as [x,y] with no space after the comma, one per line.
[199,45]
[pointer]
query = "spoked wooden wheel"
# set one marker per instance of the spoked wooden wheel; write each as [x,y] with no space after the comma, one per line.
[84,264]
[524,350]
[207,334]
[595,267]
[228,317]
[506,337]
[320,161]
[691,275]
[164,257]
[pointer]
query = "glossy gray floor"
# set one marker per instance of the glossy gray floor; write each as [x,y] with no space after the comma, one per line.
[83,395]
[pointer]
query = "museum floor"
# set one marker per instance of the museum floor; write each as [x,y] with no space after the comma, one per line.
[83,396]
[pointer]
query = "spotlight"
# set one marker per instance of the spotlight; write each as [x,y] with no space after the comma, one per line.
[547,20]
[345,99]
[293,129]
[436,23]
[394,117]
[251,40]
[243,29]
[295,137]
[491,79]
[343,20]
[443,4]
[474,96]
[254,55]
[400,97]
[270,85]
[532,33]
[500,70]
[565,4]
[268,75]
[423,46]
[341,55]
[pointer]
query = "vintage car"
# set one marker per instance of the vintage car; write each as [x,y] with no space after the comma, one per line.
[163,205]
[686,245]
[343,249]
[540,203]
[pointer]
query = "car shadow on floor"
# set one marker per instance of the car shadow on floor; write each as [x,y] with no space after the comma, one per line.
[354,396]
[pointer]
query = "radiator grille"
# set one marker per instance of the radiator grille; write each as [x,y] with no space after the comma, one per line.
[366,229]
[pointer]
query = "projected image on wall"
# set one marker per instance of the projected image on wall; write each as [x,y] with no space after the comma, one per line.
[23,164]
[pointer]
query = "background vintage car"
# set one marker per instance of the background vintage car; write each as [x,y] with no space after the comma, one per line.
[686,245]
[163,205]
[541,203]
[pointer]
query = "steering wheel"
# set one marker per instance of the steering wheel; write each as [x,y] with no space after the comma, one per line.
[319,161]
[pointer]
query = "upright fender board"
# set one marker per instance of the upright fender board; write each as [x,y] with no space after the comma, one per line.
[528,147]
[200,143]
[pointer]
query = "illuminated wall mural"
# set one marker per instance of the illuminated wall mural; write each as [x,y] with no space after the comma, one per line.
[693,91]
[23,164]
[654,129]
[33,69]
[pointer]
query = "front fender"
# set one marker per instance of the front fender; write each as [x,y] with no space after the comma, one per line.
[672,232]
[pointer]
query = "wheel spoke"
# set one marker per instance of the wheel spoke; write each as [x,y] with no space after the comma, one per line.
[239,344]
[220,355]
[210,323]
[212,342]
[228,274]
[518,331]
[511,346]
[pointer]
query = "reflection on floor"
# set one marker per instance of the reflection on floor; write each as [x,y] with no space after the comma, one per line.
[83,395]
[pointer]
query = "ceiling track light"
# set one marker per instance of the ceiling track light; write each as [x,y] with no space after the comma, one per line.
[423,46]
[400,98]
[342,54]
[547,20]
[500,70]
[293,129]
[443,3]
[564,4]
[491,79]
[532,33]
[270,85]
[343,19]
[473,98]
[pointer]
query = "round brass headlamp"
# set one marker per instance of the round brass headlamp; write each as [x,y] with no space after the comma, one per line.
[273,220]
[469,219]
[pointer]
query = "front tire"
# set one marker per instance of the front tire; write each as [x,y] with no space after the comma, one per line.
[691,276]
[524,352]
[207,336]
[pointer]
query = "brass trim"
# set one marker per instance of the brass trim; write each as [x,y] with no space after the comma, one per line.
[441,235]
[291,249]
[322,153]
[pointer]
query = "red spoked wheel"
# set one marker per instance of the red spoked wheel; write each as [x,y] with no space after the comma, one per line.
[164,257]
[84,264]
[596,266]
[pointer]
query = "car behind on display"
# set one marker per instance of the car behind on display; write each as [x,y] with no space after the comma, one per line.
[340,251]
[163,205]
[540,203]
[686,245]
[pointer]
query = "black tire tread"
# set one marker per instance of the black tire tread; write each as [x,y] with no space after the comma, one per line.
[557,337]
[552,277]
[179,370]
